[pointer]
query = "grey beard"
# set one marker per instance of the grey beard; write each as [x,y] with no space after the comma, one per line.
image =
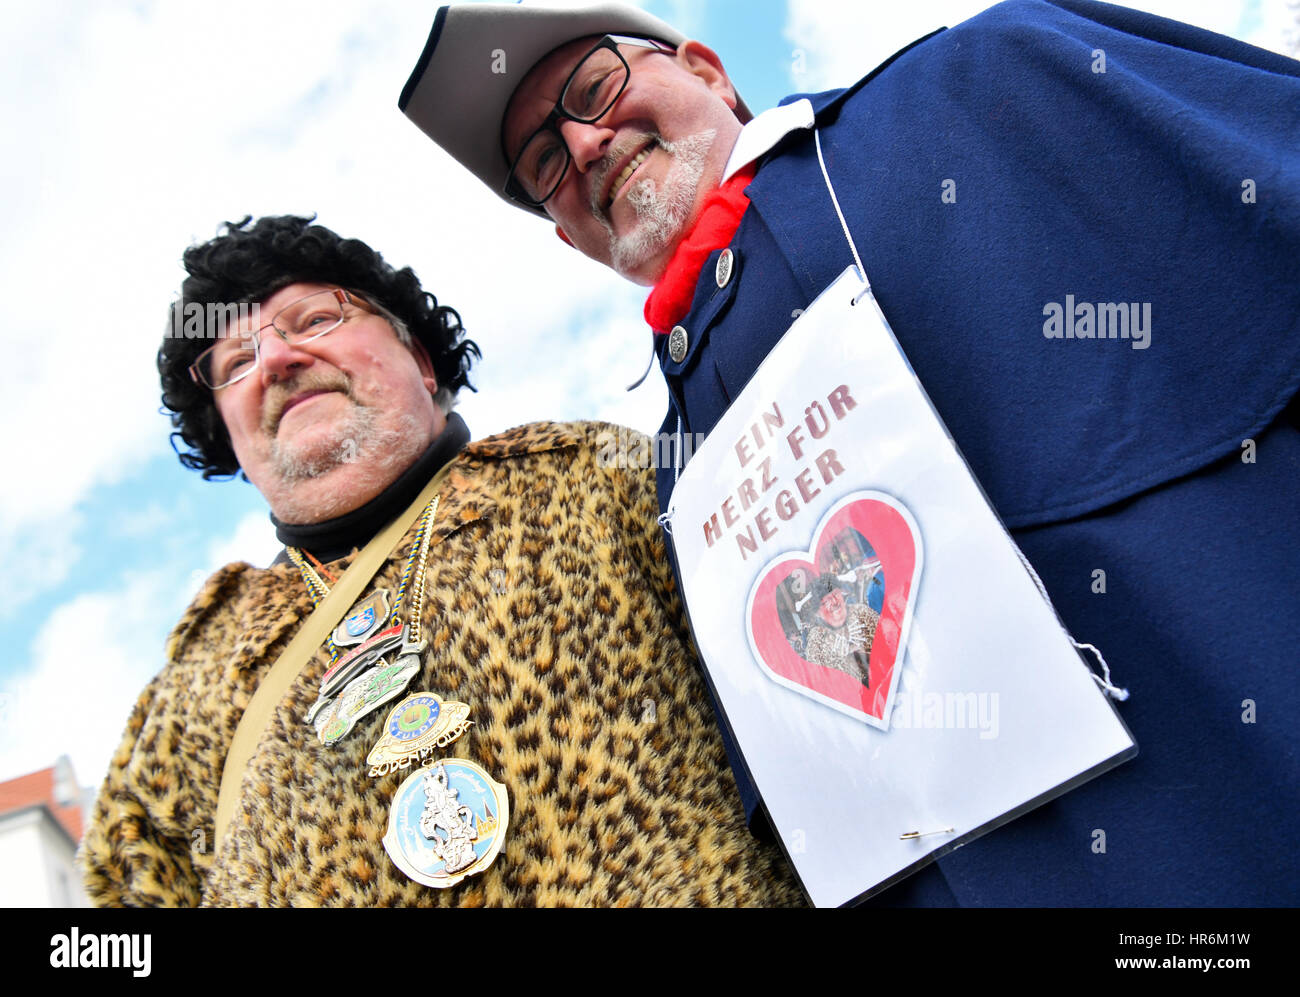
[661,213]
[359,440]
[297,492]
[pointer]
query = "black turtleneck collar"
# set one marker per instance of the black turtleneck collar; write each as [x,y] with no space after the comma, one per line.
[332,539]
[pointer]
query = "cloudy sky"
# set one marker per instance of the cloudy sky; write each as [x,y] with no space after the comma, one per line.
[134,129]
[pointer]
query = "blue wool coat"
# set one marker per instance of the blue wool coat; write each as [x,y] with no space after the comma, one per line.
[1170,179]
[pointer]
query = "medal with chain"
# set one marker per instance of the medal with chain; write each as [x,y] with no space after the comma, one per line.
[384,662]
[448,818]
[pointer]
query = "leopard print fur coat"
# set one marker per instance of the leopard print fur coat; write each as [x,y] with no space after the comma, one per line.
[551,610]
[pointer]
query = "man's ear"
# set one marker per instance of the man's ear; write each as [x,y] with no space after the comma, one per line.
[700,60]
[425,365]
[563,238]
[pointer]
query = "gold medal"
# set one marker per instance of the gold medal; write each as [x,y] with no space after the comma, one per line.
[416,727]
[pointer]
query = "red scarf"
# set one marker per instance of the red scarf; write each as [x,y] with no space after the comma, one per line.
[719,218]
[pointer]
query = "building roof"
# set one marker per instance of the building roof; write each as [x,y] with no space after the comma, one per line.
[44,787]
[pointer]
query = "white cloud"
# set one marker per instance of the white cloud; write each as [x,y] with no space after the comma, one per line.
[87,665]
[878,30]
[820,28]
[156,122]
[37,558]
[253,540]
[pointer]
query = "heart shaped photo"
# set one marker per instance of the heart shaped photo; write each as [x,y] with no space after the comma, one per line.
[831,622]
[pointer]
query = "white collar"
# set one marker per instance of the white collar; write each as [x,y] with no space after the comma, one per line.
[765,131]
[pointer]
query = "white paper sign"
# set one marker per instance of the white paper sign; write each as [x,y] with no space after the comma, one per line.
[886,662]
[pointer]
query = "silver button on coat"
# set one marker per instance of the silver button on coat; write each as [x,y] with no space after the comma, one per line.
[677,343]
[722,273]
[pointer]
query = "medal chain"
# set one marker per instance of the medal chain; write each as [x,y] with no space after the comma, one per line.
[318,589]
[418,559]
[423,538]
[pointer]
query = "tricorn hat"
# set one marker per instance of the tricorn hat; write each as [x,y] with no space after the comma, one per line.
[476,57]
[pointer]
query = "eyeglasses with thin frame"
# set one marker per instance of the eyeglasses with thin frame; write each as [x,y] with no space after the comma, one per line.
[597,81]
[301,321]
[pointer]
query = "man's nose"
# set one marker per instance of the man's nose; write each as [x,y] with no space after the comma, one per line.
[587,143]
[279,360]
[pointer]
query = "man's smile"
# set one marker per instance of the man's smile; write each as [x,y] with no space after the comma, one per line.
[612,174]
[621,177]
[654,201]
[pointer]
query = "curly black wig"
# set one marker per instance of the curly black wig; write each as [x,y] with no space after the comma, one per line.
[248,263]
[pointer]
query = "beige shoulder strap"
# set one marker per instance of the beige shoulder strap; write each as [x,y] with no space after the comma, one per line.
[309,637]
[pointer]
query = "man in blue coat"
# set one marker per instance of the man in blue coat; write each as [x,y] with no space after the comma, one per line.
[1083,225]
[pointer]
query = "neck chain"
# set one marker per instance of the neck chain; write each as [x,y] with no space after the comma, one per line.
[416,563]
[385,661]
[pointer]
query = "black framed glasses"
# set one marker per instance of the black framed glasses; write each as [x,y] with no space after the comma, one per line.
[597,81]
[298,322]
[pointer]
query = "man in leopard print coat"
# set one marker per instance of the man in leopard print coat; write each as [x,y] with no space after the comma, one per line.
[549,609]
[840,635]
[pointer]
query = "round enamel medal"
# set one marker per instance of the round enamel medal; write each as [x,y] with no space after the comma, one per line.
[448,821]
